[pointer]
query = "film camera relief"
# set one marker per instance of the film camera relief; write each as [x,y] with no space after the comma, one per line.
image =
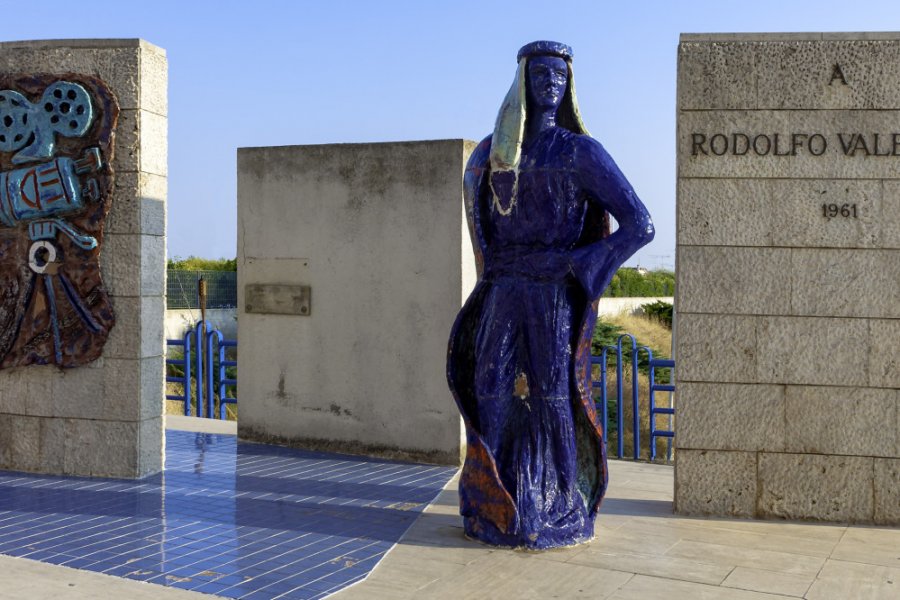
[56,144]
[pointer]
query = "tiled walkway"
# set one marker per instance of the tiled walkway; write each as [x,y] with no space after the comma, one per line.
[228,518]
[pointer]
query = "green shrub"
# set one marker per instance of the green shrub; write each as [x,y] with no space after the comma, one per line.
[195,263]
[659,310]
[628,282]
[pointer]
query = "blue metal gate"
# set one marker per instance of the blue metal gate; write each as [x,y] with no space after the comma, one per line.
[204,371]
[654,364]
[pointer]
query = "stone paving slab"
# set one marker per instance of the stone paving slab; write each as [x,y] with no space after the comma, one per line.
[642,551]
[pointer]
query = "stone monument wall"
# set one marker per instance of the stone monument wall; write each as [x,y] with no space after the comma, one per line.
[788,265]
[353,260]
[103,418]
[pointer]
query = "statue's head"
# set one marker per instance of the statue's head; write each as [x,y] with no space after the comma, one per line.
[543,79]
[547,69]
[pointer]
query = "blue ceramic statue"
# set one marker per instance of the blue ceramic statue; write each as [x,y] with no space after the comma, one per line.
[538,192]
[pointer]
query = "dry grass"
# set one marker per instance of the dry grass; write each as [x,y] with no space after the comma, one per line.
[176,407]
[649,332]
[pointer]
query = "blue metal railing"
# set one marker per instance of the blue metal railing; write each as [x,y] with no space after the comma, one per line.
[185,379]
[209,379]
[669,434]
[602,361]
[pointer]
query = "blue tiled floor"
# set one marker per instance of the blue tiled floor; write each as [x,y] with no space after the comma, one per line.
[228,518]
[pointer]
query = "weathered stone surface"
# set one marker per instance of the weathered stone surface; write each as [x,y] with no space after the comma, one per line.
[152,442]
[135,148]
[401,203]
[832,345]
[785,212]
[853,421]
[845,283]
[812,351]
[716,76]
[890,215]
[137,334]
[715,483]
[716,348]
[807,486]
[139,204]
[120,263]
[154,80]
[800,74]
[887,491]
[884,357]
[153,265]
[154,155]
[724,416]
[832,164]
[118,67]
[101,448]
[734,280]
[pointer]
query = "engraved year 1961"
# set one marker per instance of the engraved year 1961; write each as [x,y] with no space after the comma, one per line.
[847,211]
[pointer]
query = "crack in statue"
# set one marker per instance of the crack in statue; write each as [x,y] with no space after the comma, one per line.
[538,192]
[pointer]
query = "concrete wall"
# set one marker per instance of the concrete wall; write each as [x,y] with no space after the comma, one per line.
[179,320]
[377,233]
[105,419]
[615,306]
[788,327]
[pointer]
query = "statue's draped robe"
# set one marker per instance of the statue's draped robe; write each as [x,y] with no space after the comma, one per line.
[519,356]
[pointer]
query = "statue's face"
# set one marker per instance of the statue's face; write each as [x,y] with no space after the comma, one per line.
[547,80]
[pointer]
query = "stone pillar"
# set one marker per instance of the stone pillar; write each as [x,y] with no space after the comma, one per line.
[105,418]
[353,260]
[788,292]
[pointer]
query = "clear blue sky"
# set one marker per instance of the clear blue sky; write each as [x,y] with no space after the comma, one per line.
[263,73]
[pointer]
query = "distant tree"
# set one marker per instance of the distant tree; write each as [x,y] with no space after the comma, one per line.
[195,263]
[628,282]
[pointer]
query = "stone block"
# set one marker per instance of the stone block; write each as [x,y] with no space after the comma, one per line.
[127,146]
[884,353]
[140,327]
[117,66]
[785,213]
[812,351]
[845,283]
[890,215]
[826,161]
[101,448]
[887,491]
[20,386]
[154,149]
[120,264]
[137,143]
[716,348]
[800,74]
[139,204]
[854,421]
[154,80]
[726,416]
[715,483]
[153,386]
[153,265]
[809,486]
[32,444]
[151,456]
[104,390]
[734,280]
[716,76]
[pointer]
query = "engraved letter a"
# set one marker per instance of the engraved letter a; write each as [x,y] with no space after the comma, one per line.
[837,73]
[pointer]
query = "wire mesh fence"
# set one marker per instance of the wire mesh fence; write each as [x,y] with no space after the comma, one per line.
[182,289]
